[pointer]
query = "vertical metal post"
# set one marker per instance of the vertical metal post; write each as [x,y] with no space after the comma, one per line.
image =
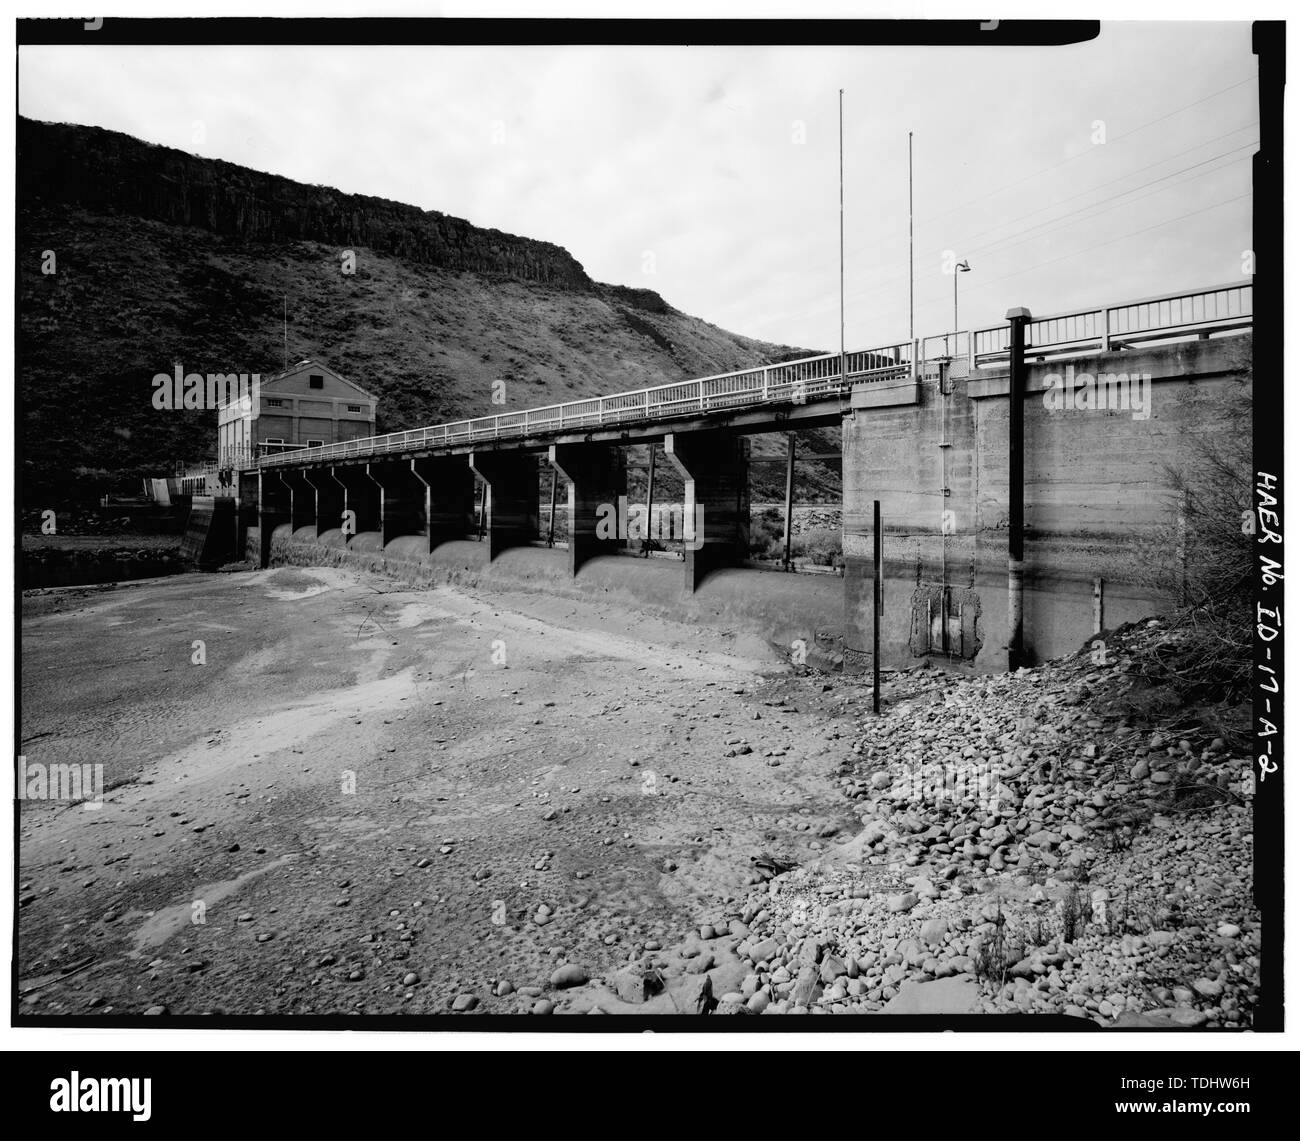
[960,268]
[550,529]
[649,500]
[877,606]
[1019,319]
[911,273]
[789,495]
[954,309]
[1180,540]
[842,375]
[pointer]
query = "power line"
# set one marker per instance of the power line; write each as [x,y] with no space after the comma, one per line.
[1073,216]
[1053,224]
[1112,241]
[1001,245]
[1139,170]
[1119,178]
[1078,215]
[1097,246]
[1072,158]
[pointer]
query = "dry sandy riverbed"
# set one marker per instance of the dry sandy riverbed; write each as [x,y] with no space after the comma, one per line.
[367,797]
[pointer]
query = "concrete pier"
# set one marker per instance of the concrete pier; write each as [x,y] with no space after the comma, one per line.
[448,495]
[402,506]
[329,499]
[302,499]
[597,476]
[361,497]
[273,509]
[715,469]
[513,504]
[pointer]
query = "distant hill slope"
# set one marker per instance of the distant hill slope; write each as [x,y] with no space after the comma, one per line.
[163,257]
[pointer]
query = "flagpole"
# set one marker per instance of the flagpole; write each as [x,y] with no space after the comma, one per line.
[842,373]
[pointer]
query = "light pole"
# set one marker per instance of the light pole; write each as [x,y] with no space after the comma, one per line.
[960,267]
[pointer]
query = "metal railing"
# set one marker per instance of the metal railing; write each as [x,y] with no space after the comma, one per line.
[239,456]
[1167,317]
[800,381]
[1170,316]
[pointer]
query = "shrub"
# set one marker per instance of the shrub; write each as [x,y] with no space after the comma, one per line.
[1203,661]
[767,535]
[823,547]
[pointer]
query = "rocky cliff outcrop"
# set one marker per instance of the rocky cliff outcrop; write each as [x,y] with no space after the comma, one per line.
[108,172]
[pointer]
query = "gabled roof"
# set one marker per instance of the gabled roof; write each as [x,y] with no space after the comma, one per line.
[315,366]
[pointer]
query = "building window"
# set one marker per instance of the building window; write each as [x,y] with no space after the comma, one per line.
[276,403]
[314,381]
[315,443]
[354,407]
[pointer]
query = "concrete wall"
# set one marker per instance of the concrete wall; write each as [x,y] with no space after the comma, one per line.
[1097,496]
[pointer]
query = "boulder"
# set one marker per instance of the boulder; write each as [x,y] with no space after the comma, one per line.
[634,983]
[832,968]
[692,994]
[933,931]
[568,975]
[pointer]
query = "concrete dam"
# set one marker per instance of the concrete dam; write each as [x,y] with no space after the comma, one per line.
[1115,406]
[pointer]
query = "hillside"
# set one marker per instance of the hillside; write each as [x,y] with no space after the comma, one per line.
[163,257]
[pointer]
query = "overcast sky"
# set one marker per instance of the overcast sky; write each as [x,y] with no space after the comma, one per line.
[717,168]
